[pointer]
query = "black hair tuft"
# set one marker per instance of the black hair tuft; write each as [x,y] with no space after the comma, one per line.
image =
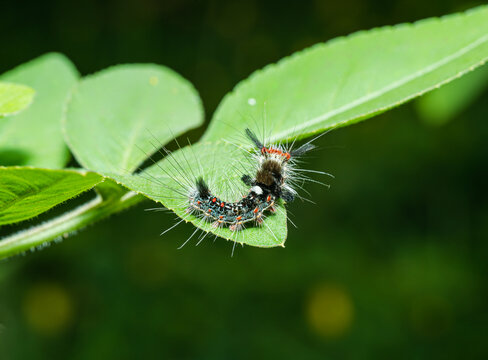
[202,187]
[254,139]
[302,150]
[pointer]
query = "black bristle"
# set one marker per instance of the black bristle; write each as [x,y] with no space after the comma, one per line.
[302,150]
[254,139]
[202,187]
[247,180]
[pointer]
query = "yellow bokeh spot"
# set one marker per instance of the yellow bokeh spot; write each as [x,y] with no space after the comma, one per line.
[153,80]
[329,311]
[47,308]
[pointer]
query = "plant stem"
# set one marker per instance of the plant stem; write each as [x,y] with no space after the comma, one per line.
[41,235]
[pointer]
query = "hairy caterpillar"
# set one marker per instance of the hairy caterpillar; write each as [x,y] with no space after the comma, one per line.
[272,177]
[269,184]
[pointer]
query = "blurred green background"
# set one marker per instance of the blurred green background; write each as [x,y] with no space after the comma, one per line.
[390,262]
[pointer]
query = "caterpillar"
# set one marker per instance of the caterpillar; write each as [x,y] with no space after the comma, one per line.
[274,178]
[270,183]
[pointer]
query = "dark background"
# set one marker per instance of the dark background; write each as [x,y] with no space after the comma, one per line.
[389,264]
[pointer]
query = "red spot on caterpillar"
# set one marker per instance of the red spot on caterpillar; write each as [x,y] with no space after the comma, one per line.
[222,205]
[209,210]
[221,217]
[275,151]
[199,202]
[214,200]
[256,210]
[239,218]
[268,199]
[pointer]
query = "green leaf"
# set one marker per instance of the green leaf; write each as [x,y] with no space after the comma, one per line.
[222,165]
[26,192]
[14,98]
[353,78]
[440,106]
[118,117]
[34,136]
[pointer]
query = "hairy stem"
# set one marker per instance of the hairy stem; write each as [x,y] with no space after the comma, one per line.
[61,226]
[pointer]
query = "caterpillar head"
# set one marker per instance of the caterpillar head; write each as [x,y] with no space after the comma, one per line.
[273,166]
[276,153]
